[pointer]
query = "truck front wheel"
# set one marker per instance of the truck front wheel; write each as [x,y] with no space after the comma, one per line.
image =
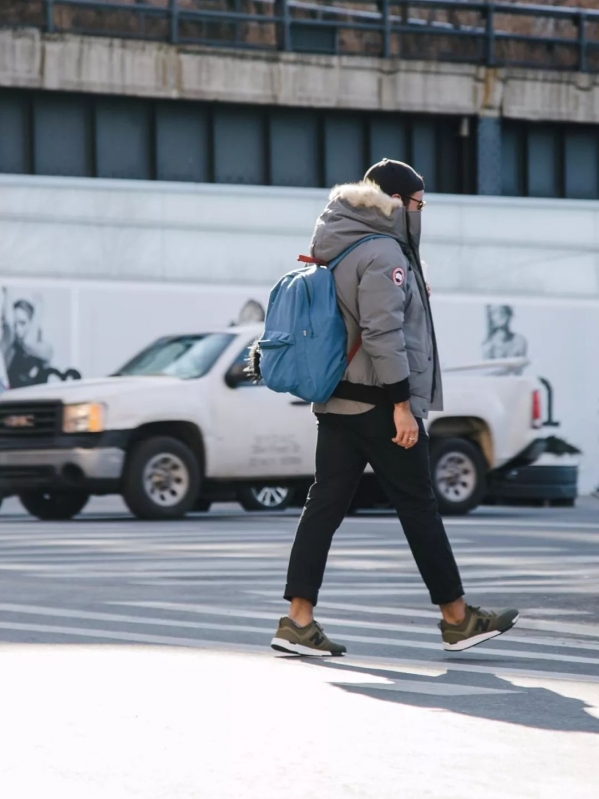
[458,470]
[54,506]
[162,479]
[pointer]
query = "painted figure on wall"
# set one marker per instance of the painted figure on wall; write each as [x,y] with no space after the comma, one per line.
[26,357]
[501,341]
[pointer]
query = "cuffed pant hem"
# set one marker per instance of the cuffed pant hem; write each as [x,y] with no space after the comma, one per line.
[449,596]
[301,592]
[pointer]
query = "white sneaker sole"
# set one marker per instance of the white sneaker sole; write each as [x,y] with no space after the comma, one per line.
[468,643]
[281,645]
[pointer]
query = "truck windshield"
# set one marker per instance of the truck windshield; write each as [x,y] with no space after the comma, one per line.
[185,357]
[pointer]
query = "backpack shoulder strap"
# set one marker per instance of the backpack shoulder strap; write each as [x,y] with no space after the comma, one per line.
[332,264]
[358,343]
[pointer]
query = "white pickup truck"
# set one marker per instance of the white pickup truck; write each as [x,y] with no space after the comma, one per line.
[180,425]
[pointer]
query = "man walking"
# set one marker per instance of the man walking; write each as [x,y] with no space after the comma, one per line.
[376,413]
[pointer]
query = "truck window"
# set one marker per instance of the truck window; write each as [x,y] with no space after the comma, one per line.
[236,374]
[185,357]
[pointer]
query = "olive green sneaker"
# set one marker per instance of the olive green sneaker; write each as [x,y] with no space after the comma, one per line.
[308,640]
[478,626]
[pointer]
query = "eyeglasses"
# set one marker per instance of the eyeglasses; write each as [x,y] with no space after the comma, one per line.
[421,203]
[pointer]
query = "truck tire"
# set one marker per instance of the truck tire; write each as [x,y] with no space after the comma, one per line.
[162,479]
[262,497]
[54,506]
[458,471]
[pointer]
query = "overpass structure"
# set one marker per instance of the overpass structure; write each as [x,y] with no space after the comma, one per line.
[483,98]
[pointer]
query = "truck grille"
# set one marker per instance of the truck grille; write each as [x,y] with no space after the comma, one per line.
[29,423]
[26,474]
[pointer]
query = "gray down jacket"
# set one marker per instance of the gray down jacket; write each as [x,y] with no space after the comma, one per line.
[382,295]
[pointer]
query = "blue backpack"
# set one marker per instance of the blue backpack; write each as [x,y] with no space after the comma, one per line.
[304,347]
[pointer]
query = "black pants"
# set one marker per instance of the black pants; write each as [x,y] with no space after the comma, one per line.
[345,445]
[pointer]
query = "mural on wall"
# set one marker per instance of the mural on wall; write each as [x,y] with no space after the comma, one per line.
[501,340]
[26,356]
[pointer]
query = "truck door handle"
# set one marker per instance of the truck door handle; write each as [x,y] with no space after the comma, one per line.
[299,402]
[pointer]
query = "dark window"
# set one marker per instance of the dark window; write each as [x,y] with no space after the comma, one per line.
[544,162]
[294,148]
[582,165]
[237,375]
[424,152]
[343,149]
[239,146]
[388,139]
[55,133]
[181,142]
[123,139]
[512,161]
[61,135]
[449,158]
[14,133]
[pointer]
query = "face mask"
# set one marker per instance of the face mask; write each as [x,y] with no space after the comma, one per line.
[414,223]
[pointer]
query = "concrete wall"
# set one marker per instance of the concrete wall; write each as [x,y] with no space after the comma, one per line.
[111,265]
[31,59]
[136,230]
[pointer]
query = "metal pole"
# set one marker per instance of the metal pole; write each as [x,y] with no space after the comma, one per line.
[490,35]
[582,42]
[286,22]
[49,16]
[386,30]
[174,20]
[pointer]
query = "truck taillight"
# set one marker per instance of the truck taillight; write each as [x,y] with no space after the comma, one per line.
[536,409]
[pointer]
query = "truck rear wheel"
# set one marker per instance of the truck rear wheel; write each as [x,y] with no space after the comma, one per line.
[263,497]
[162,479]
[54,506]
[459,475]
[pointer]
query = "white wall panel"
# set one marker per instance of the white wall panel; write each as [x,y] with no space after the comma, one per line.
[113,264]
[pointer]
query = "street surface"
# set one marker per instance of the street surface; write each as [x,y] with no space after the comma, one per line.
[136,662]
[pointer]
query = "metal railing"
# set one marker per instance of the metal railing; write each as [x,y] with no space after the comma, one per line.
[493,34]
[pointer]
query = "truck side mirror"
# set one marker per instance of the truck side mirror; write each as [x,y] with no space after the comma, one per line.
[237,376]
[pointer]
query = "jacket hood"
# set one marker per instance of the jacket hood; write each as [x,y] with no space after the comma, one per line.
[356,210]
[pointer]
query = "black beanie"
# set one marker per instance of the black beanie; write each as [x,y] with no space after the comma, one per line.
[395,177]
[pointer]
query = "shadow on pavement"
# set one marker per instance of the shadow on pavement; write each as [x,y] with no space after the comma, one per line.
[482,696]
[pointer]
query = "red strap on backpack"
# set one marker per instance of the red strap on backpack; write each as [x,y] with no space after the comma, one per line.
[307,259]
[354,350]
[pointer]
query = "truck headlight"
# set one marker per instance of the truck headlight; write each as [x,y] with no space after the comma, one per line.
[85,418]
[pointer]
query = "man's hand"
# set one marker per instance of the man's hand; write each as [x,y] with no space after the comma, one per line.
[406,426]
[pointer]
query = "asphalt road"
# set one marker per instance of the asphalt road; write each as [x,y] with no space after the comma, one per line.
[136,661]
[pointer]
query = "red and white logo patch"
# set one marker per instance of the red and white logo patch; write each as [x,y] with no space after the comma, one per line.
[398,277]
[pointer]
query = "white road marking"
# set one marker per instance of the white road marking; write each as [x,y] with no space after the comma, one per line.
[480,521]
[214,610]
[420,590]
[240,628]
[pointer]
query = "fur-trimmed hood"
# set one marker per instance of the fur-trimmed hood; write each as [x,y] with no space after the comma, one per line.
[366,194]
[356,210]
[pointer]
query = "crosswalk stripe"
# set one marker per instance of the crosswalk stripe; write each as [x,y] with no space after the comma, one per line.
[563,627]
[268,631]
[117,635]
[213,610]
